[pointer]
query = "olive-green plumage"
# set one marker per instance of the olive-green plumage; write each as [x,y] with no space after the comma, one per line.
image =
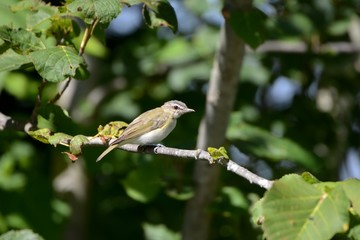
[151,127]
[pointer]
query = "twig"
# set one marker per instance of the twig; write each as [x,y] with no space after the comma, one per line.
[192,154]
[33,119]
[87,35]
[8,123]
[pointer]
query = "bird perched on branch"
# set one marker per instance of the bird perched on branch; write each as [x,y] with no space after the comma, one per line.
[150,127]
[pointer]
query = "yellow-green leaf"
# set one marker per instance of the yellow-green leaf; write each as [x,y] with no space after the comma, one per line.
[76,144]
[41,135]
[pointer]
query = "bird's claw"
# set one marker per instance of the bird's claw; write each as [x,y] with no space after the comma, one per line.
[157,146]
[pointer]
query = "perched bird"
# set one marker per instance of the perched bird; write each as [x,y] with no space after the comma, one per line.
[151,127]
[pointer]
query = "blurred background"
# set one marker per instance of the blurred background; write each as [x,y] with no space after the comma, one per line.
[297,109]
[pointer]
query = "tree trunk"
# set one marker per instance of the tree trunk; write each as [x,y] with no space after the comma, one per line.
[219,103]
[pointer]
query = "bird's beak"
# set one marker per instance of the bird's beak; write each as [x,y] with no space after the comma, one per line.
[190,110]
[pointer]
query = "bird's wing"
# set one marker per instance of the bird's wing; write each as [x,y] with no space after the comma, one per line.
[141,125]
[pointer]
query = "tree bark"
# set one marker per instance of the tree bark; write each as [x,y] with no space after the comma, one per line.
[219,103]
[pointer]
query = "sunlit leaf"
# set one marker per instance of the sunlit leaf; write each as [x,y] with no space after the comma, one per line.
[104,10]
[20,40]
[10,60]
[112,129]
[218,153]
[156,232]
[38,13]
[354,233]
[308,177]
[58,63]
[24,234]
[41,135]
[295,209]
[352,190]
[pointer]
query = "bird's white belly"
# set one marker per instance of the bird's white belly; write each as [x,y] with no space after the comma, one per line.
[156,135]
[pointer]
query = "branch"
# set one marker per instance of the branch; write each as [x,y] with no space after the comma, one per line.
[7,123]
[191,154]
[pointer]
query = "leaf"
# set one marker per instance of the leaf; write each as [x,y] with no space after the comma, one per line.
[55,118]
[295,209]
[352,190]
[159,13]
[10,60]
[141,184]
[104,10]
[218,153]
[249,25]
[71,156]
[41,135]
[59,138]
[24,234]
[20,40]
[263,144]
[112,129]
[57,63]
[308,177]
[76,144]
[161,231]
[37,13]
[354,233]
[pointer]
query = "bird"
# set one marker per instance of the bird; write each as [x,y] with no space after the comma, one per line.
[151,127]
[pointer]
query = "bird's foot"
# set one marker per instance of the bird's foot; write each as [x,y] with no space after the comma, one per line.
[154,146]
[157,146]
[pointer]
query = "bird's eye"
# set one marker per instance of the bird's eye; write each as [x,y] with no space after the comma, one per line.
[176,107]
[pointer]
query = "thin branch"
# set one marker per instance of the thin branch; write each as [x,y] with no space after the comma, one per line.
[8,123]
[87,35]
[34,114]
[191,154]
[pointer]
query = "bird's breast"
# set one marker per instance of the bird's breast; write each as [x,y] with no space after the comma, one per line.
[157,135]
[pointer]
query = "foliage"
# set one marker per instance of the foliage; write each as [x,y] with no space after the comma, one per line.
[312,126]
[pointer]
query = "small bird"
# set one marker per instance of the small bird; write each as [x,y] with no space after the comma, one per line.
[150,127]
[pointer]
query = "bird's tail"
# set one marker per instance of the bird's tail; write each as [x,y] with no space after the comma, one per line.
[109,149]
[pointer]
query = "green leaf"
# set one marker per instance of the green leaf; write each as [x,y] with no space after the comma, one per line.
[218,153]
[41,135]
[249,25]
[295,209]
[354,233]
[57,63]
[76,144]
[112,129]
[10,60]
[37,13]
[352,190]
[132,2]
[141,184]
[59,138]
[156,232]
[308,177]
[159,13]
[24,234]
[104,10]
[55,118]
[263,144]
[20,40]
